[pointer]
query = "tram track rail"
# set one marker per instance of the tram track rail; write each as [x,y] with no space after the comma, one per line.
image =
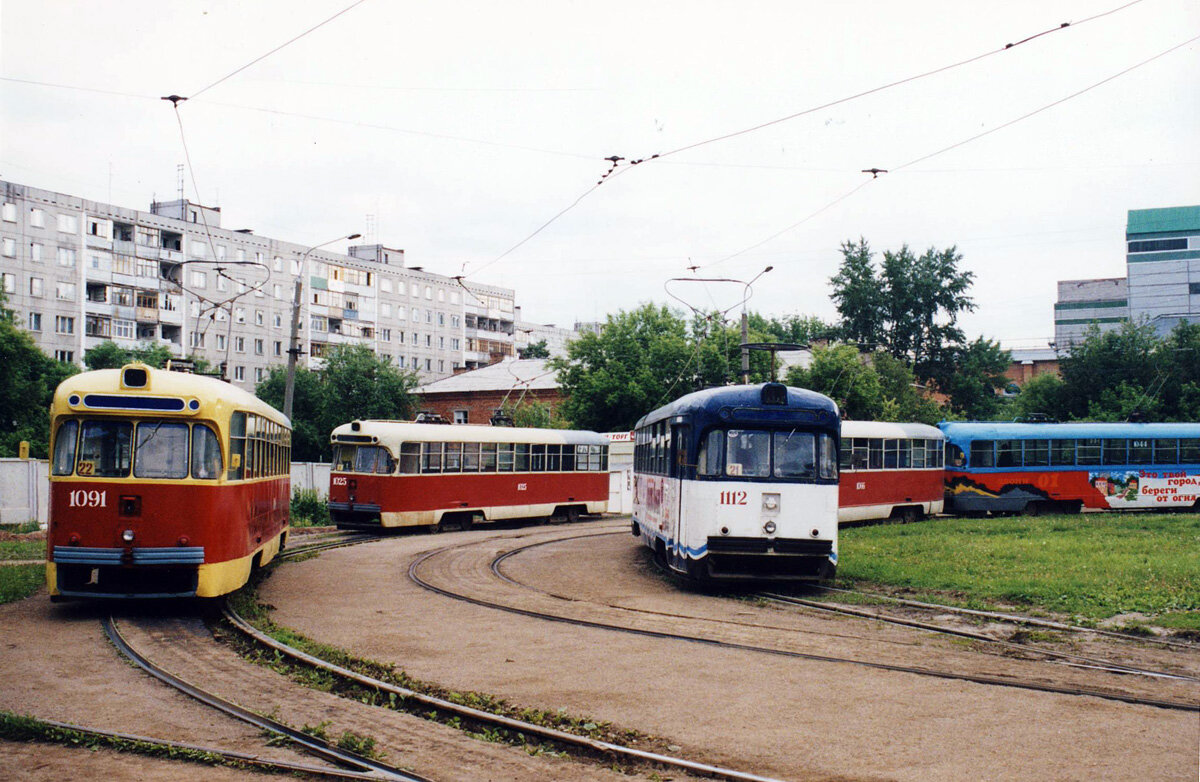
[984,679]
[366,768]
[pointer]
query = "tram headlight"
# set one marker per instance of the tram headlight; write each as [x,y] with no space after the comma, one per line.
[769,528]
[127,536]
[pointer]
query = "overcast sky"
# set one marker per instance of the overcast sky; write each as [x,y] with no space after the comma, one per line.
[454,130]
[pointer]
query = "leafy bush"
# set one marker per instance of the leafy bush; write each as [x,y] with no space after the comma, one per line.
[309,509]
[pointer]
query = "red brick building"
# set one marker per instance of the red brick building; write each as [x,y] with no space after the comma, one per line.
[1028,364]
[472,397]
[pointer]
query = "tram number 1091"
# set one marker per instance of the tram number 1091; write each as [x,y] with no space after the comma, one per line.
[733,498]
[83,498]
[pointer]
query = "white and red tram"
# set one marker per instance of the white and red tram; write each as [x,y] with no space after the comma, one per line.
[401,474]
[890,470]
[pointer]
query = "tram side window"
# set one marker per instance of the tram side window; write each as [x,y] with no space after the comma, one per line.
[889,454]
[919,451]
[709,458]
[343,457]
[934,455]
[1037,453]
[206,454]
[453,459]
[249,463]
[861,455]
[410,458]
[470,457]
[1114,452]
[846,457]
[748,454]
[1189,451]
[522,457]
[105,448]
[162,450]
[1166,451]
[553,457]
[537,457]
[504,457]
[1062,452]
[1087,451]
[1008,453]
[487,457]
[431,457]
[983,453]
[237,446]
[1140,452]
[954,456]
[875,453]
[64,448]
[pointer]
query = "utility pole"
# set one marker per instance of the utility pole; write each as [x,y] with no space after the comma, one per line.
[745,347]
[294,348]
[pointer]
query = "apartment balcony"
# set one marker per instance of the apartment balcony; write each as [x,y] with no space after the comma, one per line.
[174,256]
[99,308]
[98,242]
[122,247]
[146,314]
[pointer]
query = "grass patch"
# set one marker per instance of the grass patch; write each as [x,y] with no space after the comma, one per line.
[22,528]
[1092,566]
[18,582]
[16,727]
[11,550]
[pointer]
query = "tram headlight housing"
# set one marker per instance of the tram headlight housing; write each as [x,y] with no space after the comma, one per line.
[770,502]
[127,536]
[769,528]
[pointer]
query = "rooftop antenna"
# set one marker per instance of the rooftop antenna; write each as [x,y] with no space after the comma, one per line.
[179,174]
[372,237]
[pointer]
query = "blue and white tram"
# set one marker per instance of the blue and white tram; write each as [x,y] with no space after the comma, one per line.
[740,483]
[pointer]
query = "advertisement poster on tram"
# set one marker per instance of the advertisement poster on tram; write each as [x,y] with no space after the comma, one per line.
[1146,488]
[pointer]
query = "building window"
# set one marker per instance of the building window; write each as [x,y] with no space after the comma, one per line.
[461,417]
[239,315]
[428,293]
[123,264]
[35,321]
[318,324]
[258,347]
[429,316]
[10,282]
[98,228]
[278,264]
[1158,245]
[10,247]
[197,339]
[428,365]
[220,252]
[37,217]
[258,374]
[122,297]
[147,268]
[428,340]
[278,348]
[441,343]
[94,261]
[454,343]
[35,252]
[66,356]
[147,237]
[385,335]
[68,224]
[239,344]
[64,325]
[277,291]
[9,212]
[66,257]
[36,286]
[400,361]
[124,329]
[199,279]
[441,366]
[259,318]
[62,290]
[385,310]
[239,373]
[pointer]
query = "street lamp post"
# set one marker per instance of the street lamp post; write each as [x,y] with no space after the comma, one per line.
[293,344]
[746,328]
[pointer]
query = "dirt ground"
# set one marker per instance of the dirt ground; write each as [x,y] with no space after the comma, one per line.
[794,719]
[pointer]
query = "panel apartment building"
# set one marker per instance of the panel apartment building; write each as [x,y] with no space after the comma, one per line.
[1161,286]
[79,272]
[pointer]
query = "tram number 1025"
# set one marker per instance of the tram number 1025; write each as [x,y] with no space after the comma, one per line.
[83,498]
[733,498]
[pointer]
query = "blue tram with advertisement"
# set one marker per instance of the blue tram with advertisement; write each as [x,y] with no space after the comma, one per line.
[740,483]
[1035,468]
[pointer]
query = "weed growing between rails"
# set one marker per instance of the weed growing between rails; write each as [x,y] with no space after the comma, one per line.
[247,604]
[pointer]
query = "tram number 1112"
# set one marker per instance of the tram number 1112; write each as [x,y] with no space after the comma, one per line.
[733,498]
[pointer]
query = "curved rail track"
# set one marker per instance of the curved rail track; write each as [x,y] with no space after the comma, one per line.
[364,767]
[1002,681]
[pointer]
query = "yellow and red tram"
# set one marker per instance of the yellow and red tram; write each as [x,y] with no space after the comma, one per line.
[400,474]
[162,484]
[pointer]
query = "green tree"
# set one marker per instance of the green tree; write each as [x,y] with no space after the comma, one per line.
[110,355]
[1043,394]
[977,371]
[639,361]
[904,398]
[844,375]
[310,438]
[534,350]
[1112,368]
[535,414]
[354,383]
[797,329]
[28,378]
[858,296]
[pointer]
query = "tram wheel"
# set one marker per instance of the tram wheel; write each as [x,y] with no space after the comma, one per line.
[1033,509]
[908,515]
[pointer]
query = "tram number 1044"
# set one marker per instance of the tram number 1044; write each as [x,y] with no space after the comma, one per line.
[83,498]
[733,498]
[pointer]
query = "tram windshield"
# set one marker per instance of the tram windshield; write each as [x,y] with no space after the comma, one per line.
[751,453]
[363,458]
[104,448]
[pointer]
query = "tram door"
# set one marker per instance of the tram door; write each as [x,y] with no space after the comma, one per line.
[678,472]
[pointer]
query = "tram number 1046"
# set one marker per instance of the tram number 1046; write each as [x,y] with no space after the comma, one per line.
[733,498]
[83,498]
